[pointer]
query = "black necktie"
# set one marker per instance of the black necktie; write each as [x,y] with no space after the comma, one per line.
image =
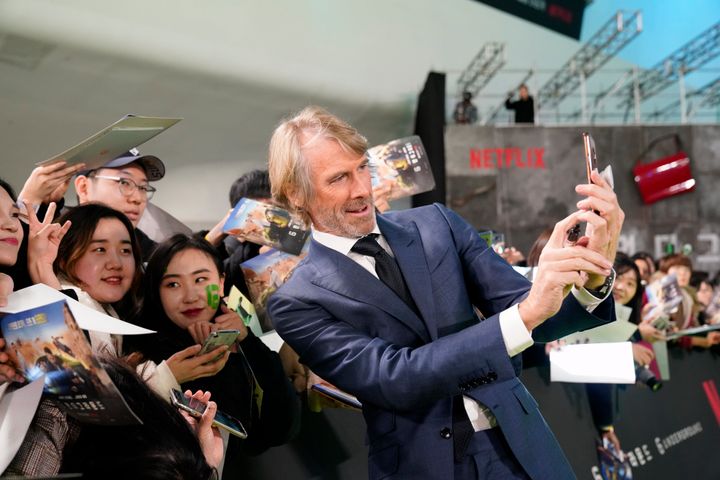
[386,267]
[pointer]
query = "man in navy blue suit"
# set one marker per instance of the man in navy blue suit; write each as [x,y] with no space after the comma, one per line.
[412,312]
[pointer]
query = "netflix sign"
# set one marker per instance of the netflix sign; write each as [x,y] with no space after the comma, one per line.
[509,157]
[562,16]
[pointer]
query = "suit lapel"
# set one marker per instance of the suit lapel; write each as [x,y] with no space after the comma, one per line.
[343,276]
[407,246]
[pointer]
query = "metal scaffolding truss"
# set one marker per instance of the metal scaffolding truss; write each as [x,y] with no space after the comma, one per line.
[691,56]
[707,96]
[482,68]
[711,96]
[612,37]
[493,115]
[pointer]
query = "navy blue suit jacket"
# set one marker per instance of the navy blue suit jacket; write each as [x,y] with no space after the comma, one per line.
[352,330]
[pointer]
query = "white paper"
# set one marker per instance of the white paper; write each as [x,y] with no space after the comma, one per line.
[159,225]
[661,357]
[593,363]
[86,317]
[693,331]
[272,340]
[114,140]
[612,332]
[17,410]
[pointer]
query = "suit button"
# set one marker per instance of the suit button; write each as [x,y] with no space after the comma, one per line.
[446,433]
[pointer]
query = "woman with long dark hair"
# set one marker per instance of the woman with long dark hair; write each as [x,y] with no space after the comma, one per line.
[11,239]
[182,281]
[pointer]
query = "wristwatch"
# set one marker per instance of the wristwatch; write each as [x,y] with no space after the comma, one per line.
[603,290]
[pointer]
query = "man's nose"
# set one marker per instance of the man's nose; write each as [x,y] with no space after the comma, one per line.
[361,186]
[137,197]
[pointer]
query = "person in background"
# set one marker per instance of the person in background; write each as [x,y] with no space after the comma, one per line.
[181,275]
[11,242]
[646,264]
[254,185]
[704,295]
[465,111]
[123,183]
[524,106]
[686,315]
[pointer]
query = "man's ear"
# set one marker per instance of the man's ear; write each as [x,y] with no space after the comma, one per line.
[294,199]
[82,185]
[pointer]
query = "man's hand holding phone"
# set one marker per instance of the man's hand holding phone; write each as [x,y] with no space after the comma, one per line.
[605,219]
[561,267]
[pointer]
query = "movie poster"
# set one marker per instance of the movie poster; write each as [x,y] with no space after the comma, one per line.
[266,224]
[47,341]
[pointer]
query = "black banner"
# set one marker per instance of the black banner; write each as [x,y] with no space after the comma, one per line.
[562,16]
[668,434]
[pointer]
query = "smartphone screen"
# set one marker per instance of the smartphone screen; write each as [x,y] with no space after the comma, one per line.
[590,154]
[217,339]
[196,408]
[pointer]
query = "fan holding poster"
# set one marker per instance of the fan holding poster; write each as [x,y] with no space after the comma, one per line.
[400,168]
[267,224]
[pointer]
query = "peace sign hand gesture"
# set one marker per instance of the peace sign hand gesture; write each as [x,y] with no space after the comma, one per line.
[43,243]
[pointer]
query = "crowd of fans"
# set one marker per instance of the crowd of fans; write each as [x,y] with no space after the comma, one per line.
[95,254]
[644,285]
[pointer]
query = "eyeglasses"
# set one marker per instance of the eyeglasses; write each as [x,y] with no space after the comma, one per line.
[127,186]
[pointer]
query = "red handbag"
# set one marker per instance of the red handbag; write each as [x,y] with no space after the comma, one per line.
[664,177]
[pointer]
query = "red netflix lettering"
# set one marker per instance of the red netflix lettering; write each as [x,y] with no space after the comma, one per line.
[487,158]
[539,152]
[475,158]
[508,157]
[560,13]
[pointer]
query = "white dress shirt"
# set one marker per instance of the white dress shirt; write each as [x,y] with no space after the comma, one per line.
[515,335]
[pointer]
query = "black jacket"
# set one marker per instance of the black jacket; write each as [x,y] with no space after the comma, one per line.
[270,421]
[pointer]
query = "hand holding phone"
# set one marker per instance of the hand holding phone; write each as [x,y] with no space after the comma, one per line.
[196,407]
[590,155]
[219,338]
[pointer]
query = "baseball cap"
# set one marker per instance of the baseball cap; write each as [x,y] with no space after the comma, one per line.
[153,166]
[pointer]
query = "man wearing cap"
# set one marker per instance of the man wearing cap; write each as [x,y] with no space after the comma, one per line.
[123,184]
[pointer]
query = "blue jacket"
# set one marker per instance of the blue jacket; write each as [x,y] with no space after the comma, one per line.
[352,330]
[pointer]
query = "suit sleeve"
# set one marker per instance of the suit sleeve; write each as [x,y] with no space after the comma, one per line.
[494,286]
[384,374]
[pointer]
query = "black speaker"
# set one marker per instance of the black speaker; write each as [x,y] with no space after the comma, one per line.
[430,127]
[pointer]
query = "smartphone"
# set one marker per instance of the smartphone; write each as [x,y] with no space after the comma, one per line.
[590,154]
[196,408]
[217,339]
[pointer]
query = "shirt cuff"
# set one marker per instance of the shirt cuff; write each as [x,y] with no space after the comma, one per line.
[515,334]
[590,301]
[159,378]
